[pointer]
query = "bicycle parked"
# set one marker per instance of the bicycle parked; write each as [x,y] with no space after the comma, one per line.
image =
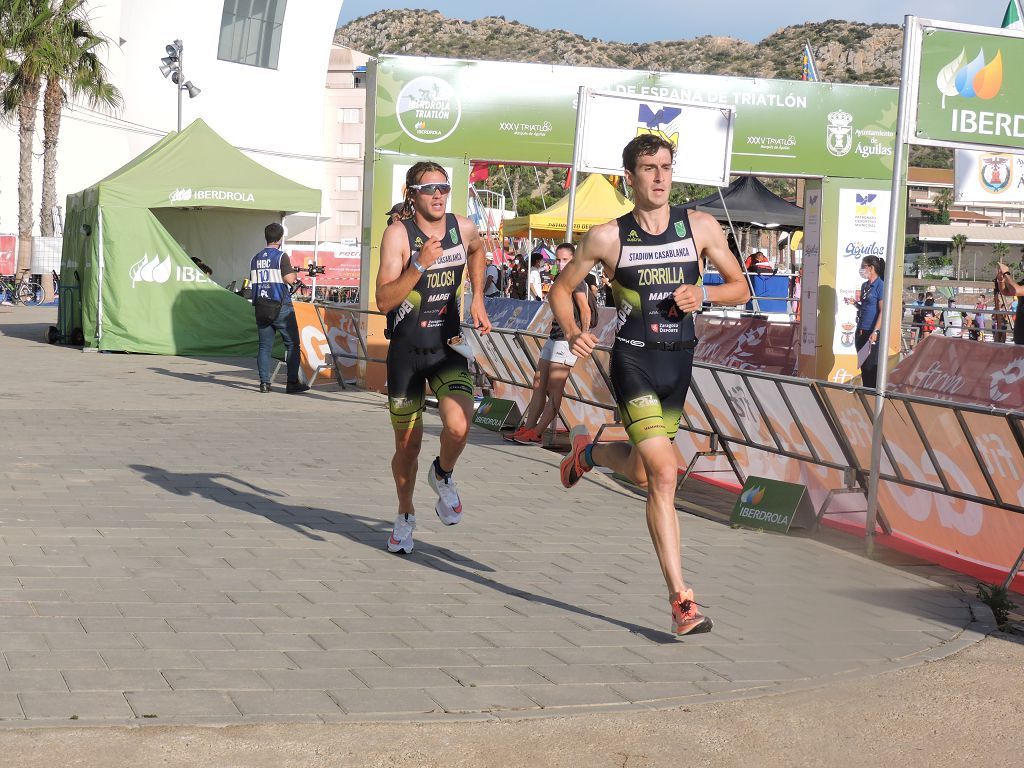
[28,290]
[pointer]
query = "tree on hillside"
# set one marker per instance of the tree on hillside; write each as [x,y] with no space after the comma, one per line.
[23,29]
[73,70]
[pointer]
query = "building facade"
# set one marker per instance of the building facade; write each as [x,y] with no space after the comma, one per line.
[261,69]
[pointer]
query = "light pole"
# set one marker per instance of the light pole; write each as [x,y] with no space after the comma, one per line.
[172,65]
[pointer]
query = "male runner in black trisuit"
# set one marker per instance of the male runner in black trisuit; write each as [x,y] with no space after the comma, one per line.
[651,256]
[419,285]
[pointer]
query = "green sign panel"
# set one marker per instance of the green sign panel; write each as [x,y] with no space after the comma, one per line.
[494,413]
[971,89]
[514,112]
[772,505]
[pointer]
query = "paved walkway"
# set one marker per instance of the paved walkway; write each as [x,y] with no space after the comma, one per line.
[159,564]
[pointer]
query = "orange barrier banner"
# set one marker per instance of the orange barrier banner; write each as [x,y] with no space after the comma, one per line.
[963,371]
[327,331]
[748,343]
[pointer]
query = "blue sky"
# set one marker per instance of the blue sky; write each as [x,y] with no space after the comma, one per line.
[674,19]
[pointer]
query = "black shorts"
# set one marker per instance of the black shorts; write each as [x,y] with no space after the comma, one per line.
[650,387]
[410,369]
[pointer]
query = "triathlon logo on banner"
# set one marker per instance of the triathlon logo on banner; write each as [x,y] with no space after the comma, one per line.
[429,109]
[701,134]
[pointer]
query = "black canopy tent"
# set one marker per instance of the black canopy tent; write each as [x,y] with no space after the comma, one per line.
[748,201]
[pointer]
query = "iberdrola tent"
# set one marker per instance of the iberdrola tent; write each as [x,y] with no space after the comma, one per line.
[129,241]
[597,201]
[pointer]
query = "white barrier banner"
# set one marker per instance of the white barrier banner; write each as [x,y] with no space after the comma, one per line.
[701,133]
[989,177]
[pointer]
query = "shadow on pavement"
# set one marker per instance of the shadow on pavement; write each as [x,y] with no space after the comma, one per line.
[229,491]
[28,331]
[230,379]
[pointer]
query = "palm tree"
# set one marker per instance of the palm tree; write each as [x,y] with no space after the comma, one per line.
[959,241]
[23,28]
[73,71]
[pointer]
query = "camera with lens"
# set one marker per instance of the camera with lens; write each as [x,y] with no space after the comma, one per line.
[313,270]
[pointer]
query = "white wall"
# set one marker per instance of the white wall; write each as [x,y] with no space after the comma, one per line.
[280,111]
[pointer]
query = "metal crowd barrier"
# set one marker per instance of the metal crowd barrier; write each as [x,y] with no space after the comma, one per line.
[821,423]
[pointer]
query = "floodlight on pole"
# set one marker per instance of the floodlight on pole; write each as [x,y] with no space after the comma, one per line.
[173,67]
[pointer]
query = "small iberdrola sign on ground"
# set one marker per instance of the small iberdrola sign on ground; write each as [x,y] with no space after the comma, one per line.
[494,413]
[772,505]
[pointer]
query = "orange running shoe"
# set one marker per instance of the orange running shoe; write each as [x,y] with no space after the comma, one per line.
[686,619]
[573,466]
[515,433]
[527,436]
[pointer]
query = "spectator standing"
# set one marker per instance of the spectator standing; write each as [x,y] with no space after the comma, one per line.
[535,285]
[271,274]
[953,322]
[869,315]
[556,361]
[492,278]
[1009,287]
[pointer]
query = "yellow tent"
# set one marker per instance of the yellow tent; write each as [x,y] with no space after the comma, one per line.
[597,201]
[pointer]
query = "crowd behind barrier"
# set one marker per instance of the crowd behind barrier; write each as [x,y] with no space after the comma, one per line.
[952,474]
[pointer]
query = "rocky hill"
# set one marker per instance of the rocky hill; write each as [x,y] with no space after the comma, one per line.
[845,51]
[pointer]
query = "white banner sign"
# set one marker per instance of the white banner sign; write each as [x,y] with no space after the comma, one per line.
[989,177]
[701,133]
[863,222]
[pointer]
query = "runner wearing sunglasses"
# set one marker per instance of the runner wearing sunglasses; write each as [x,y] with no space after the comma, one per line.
[422,260]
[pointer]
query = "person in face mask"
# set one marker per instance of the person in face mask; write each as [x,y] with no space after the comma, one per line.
[869,314]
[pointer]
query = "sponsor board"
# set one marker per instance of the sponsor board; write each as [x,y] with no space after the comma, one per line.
[701,134]
[970,89]
[989,177]
[863,218]
[780,126]
[772,505]
[494,414]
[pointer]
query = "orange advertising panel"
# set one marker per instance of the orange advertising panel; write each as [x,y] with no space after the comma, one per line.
[325,331]
[963,371]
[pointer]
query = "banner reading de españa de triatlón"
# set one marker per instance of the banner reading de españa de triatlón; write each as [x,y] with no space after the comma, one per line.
[451,108]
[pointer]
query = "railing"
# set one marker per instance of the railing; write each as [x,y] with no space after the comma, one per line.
[819,423]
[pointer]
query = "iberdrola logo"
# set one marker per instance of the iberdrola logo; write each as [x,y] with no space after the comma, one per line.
[976,80]
[752,495]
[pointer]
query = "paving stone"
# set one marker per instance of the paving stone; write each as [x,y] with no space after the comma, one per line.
[65,706]
[315,680]
[385,702]
[35,680]
[164,659]
[197,704]
[550,696]
[487,699]
[22,660]
[404,677]
[115,680]
[284,703]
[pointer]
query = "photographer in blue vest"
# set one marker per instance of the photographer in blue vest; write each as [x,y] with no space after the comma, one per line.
[272,275]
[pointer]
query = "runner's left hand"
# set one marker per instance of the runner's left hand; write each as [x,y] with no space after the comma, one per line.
[688,298]
[481,322]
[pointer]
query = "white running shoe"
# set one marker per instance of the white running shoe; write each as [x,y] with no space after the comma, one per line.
[449,505]
[400,539]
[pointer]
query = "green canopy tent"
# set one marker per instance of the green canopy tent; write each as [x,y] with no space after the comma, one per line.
[129,242]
